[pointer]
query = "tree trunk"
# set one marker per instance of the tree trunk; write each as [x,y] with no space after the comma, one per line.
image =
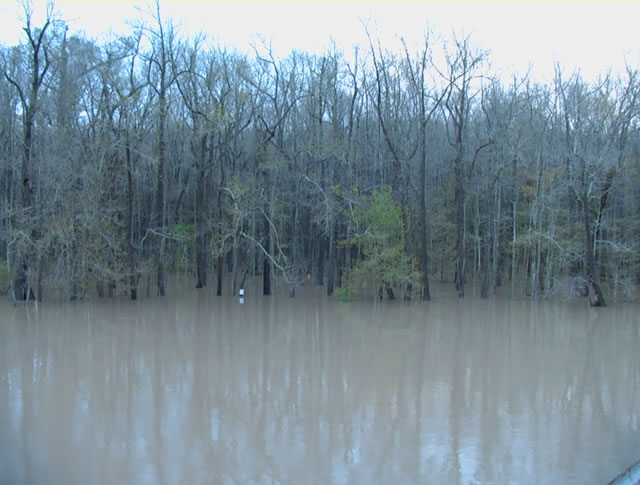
[244,276]
[266,265]
[484,288]
[596,298]
[320,269]
[22,285]
[332,264]
[495,272]
[340,259]
[266,271]
[201,236]
[513,248]
[219,270]
[133,277]
[159,209]
[422,226]
[459,203]
[234,268]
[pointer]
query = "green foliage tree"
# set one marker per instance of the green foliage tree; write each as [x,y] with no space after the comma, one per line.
[380,238]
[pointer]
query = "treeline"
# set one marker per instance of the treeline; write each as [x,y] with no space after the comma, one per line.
[155,154]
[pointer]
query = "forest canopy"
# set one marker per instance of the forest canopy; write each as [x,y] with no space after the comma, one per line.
[157,153]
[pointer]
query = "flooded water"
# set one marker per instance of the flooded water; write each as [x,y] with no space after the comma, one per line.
[198,389]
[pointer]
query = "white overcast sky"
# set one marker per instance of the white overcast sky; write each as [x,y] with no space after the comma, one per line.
[590,35]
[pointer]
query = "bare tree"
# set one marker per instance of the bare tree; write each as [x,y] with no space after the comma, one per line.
[464,65]
[28,78]
[160,77]
[426,105]
[593,159]
[164,156]
[273,83]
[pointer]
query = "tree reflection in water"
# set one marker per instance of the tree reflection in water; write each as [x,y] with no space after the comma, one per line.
[200,389]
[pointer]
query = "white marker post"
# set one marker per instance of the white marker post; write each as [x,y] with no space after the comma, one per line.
[241,294]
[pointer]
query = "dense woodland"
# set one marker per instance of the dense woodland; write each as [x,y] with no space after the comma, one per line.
[376,171]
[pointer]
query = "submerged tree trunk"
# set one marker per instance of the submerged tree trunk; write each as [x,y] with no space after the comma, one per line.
[595,293]
[161,62]
[320,269]
[596,298]
[244,276]
[201,236]
[495,273]
[219,270]
[484,288]
[162,102]
[424,259]
[266,268]
[332,264]
[459,203]
[266,265]
[131,257]
[234,268]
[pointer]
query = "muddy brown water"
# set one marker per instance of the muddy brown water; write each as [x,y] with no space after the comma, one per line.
[201,389]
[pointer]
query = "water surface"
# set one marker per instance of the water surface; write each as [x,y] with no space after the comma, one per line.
[201,389]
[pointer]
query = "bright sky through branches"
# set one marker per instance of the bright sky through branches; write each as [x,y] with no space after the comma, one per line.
[592,36]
